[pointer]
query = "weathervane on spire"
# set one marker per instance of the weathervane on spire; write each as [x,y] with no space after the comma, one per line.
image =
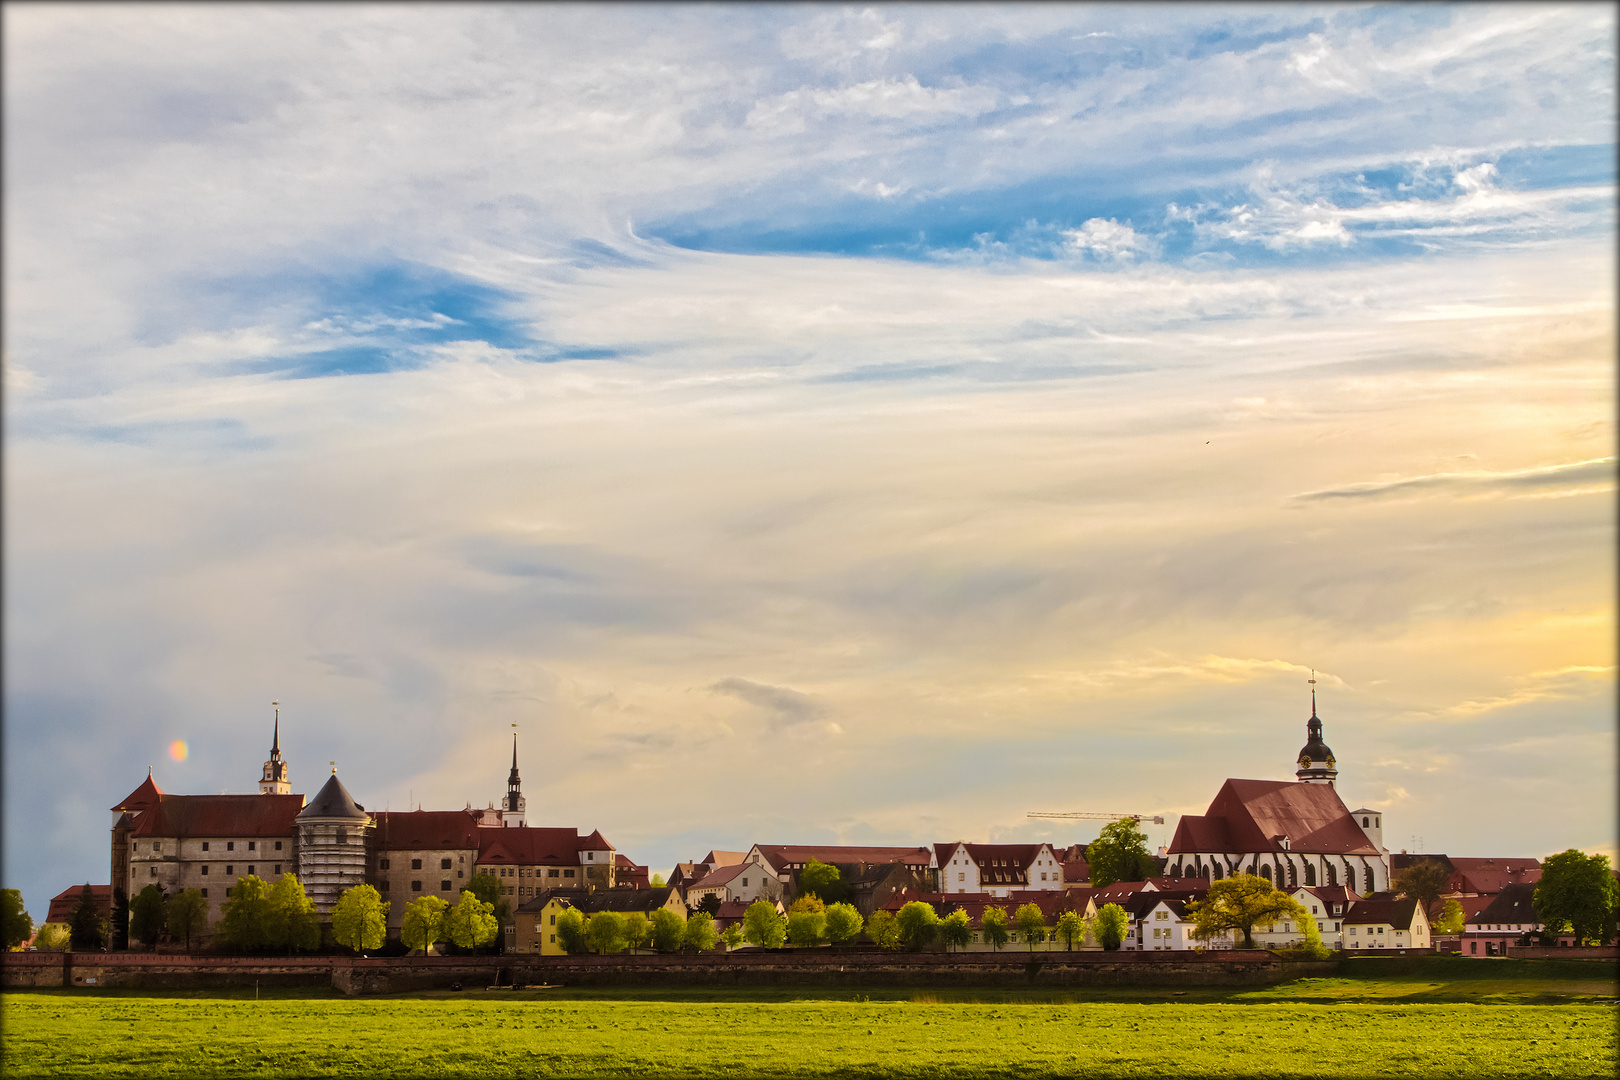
[334,767]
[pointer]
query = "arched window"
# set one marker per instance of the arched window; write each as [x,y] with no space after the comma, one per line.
[1365,823]
[1332,875]
[1370,886]
[1310,874]
[1265,872]
[1175,871]
[1291,882]
[1217,872]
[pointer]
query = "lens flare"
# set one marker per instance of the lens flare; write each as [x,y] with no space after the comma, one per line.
[177,749]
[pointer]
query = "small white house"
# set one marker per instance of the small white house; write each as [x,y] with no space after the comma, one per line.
[1386,924]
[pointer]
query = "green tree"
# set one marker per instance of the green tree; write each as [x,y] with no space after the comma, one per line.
[764,926]
[636,929]
[1313,946]
[700,933]
[471,924]
[806,921]
[294,923]
[657,881]
[571,931]
[487,887]
[1070,927]
[16,925]
[604,932]
[53,937]
[667,929]
[186,916]
[956,930]
[1120,853]
[919,923]
[423,924]
[843,923]
[710,903]
[360,919]
[1422,881]
[1577,895]
[823,881]
[1031,921]
[120,918]
[993,921]
[246,919]
[146,915]
[883,929]
[1241,902]
[1451,919]
[88,928]
[732,935]
[1111,924]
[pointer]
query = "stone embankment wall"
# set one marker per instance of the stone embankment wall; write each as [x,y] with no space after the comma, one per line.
[752,968]
[1581,952]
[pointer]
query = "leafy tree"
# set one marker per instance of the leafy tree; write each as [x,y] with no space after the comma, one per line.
[883,929]
[294,923]
[636,929]
[1111,926]
[571,931]
[604,932]
[1450,920]
[16,925]
[53,937]
[1031,922]
[423,924]
[843,923]
[186,915]
[1120,853]
[806,921]
[487,887]
[918,923]
[1422,881]
[246,920]
[956,930]
[667,930]
[657,881]
[700,933]
[120,918]
[732,935]
[764,926]
[710,903]
[1241,902]
[146,915]
[471,924]
[88,928]
[360,919]
[1577,895]
[823,881]
[1069,927]
[1313,946]
[993,921]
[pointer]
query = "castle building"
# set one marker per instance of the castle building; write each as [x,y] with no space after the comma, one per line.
[1292,834]
[334,836]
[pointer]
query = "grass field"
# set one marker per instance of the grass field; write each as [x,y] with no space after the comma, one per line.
[1438,1021]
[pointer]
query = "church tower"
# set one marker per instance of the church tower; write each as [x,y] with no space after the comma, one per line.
[274,781]
[1316,765]
[513,806]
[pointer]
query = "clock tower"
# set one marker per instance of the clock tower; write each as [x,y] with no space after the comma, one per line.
[1316,764]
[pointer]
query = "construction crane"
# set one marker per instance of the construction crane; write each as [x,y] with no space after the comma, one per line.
[1157,819]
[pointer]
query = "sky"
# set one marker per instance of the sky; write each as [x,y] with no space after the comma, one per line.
[811,424]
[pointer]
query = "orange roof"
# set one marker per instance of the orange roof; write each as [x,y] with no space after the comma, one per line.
[142,798]
[219,815]
[781,856]
[1256,815]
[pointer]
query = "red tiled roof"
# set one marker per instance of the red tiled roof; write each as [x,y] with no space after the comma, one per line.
[1332,894]
[719,858]
[65,902]
[1492,875]
[781,856]
[426,830]
[723,875]
[1119,891]
[595,842]
[1076,870]
[142,797]
[1248,816]
[219,815]
[998,864]
[1514,905]
[531,846]
[1398,913]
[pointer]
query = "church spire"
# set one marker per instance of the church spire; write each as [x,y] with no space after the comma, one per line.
[513,807]
[274,781]
[1316,764]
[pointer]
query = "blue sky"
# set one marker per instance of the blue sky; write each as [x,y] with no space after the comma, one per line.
[811,422]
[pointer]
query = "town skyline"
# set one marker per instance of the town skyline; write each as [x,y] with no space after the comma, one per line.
[811,424]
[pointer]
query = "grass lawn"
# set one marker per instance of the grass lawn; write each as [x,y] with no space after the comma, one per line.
[538,1033]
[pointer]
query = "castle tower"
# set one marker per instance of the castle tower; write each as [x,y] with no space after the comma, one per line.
[274,781]
[334,841]
[1316,764]
[513,806]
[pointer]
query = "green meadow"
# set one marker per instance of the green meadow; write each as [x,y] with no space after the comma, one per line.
[1442,1022]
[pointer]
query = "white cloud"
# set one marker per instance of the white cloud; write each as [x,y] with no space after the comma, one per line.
[1105,239]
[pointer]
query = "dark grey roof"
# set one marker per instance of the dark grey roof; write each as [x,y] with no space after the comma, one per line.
[1515,904]
[333,801]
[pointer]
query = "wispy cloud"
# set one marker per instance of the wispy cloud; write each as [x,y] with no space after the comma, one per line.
[1579,477]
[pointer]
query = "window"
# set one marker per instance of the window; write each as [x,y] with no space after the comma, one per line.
[136,846]
[205,871]
[250,868]
[154,871]
[229,869]
[205,894]
[230,845]
[459,873]
[554,920]
[444,864]
[745,881]
[568,871]
[227,894]
[444,886]
[416,864]
[382,886]
[278,845]
[157,845]
[416,886]
[382,864]
[253,845]
[277,870]
[590,855]
[205,845]
[961,876]
[461,858]
[552,872]
[1380,929]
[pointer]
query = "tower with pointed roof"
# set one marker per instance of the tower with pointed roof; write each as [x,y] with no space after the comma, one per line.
[1316,764]
[334,844]
[513,806]
[275,781]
